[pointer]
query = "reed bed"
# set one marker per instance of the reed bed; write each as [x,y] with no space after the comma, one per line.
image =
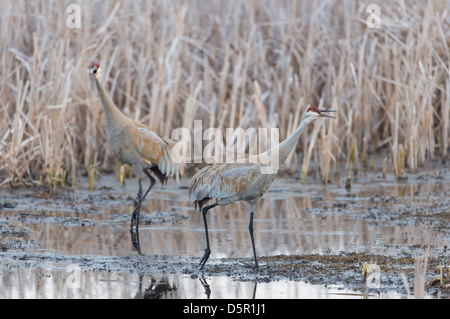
[234,63]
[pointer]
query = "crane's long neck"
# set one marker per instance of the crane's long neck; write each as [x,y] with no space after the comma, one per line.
[113,117]
[284,148]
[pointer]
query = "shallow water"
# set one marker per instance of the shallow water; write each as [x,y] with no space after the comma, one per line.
[52,284]
[42,235]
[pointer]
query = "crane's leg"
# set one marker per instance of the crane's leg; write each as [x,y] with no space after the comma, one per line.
[205,286]
[208,248]
[250,228]
[152,183]
[134,230]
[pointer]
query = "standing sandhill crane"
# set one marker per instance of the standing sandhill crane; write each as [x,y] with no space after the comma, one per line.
[138,146]
[227,183]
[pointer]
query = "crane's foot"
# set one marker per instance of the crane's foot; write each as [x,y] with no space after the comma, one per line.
[205,257]
[255,266]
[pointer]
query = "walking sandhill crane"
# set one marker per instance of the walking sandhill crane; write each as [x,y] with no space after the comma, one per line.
[138,146]
[227,183]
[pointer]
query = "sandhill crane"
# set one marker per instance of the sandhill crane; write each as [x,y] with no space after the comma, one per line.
[226,183]
[138,146]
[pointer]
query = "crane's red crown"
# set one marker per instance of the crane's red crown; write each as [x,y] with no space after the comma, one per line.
[96,65]
[313,109]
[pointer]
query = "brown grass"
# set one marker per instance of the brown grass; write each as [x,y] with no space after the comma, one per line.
[231,64]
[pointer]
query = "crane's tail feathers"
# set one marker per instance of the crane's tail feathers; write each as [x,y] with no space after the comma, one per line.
[171,164]
[159,175]
[198,194]
[202,193]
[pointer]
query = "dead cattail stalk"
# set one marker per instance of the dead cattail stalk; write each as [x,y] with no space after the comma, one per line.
[233,63]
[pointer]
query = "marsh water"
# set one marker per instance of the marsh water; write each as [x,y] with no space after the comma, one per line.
[312,240]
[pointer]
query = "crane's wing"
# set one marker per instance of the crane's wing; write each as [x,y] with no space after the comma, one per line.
[155,151]
[222,181]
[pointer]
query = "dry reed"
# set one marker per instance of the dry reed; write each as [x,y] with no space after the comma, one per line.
[228,63]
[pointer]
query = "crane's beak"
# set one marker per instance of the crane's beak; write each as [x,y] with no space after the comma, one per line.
[325,115]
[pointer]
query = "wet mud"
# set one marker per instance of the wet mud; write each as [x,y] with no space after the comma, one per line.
[313,241]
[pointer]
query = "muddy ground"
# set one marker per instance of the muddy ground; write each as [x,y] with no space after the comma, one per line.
[307,236]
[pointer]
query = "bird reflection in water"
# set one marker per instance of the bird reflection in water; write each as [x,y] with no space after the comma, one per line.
[164,289]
